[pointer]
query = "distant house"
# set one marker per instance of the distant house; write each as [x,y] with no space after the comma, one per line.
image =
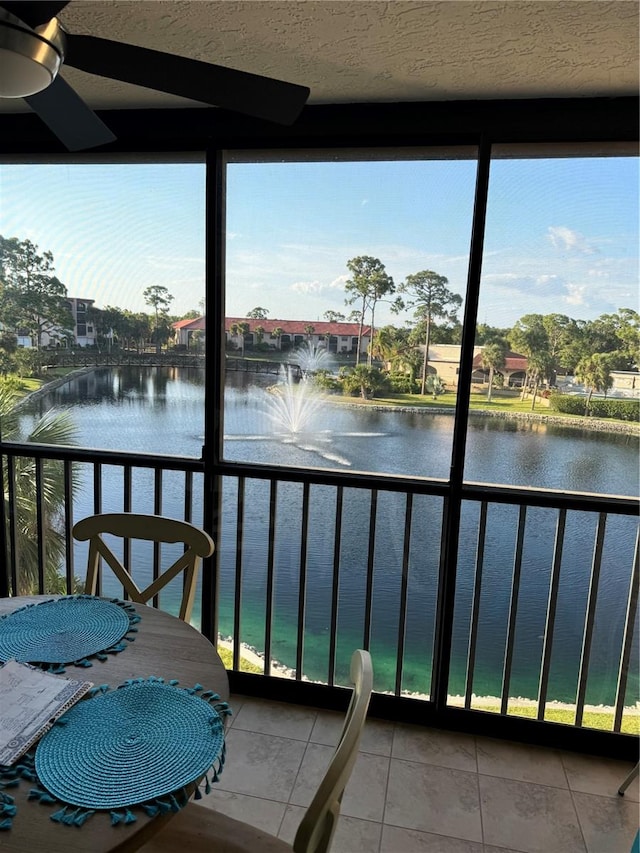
[184,329]
[335,337]
[514,370]
[281,334]
[444,359]
[624,384]
[83,333]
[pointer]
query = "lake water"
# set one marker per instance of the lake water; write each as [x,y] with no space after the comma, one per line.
[161,411]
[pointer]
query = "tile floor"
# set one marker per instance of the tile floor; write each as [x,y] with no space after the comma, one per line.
[415,790]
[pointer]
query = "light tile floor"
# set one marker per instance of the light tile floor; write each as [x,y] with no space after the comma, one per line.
[418,790]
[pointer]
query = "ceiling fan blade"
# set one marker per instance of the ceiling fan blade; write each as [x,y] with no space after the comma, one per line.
[34,13]
[240,91]
[67,115]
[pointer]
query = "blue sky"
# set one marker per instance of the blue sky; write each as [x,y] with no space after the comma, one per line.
[562,235]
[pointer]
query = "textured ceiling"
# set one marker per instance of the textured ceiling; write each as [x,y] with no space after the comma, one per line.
[365,51]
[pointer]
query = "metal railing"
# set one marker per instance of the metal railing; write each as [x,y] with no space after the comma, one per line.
[303,558]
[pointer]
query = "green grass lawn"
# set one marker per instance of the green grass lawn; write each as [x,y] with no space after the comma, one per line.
[448,400]
[226,656]
[477,402]
[29,385]
[57,372]
[591,719]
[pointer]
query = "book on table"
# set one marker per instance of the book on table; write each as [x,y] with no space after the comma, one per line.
[31,700]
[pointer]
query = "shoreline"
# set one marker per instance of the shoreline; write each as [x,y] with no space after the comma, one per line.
[254,656]
[589,424]
[592,424]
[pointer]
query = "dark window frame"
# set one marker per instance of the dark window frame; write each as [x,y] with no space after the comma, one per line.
[179,134]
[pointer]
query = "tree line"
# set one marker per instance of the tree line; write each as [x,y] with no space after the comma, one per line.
[33,302]
[552,343]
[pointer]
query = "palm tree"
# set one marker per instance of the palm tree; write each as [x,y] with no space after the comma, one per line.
[593,372]
[233,331]
[386,344]
[367,380]
[537,367]
[51,429]
[309,330]
[243,329]
[277,334]
[492,360]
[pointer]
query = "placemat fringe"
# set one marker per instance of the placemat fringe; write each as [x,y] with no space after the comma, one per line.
[70,815]
[18,638]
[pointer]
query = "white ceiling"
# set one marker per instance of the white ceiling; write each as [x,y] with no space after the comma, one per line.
[371,50]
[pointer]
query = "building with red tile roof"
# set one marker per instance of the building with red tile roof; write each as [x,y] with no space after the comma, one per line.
[444,359]
[337,337]
[514,370]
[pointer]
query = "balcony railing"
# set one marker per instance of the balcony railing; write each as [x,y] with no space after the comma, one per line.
[297,580]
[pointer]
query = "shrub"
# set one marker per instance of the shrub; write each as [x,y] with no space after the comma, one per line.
[326,380]
[402,383]
[622,410]
[11,385]
[364,381]
[28,362]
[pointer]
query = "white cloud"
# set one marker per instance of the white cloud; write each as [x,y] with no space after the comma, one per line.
[318,286]
[339,282]
[566,239]
[307,287]
[537,286]
[575,294]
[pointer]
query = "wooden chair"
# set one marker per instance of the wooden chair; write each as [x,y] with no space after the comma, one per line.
[199,829]
[632,775]
[153,528]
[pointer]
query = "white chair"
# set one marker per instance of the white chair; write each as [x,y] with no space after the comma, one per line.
[153,528]
[199,829]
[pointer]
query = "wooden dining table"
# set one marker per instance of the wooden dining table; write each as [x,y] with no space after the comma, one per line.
[165,647]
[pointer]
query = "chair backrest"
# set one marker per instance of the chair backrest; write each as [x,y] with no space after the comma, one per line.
[319,823]
[153,528]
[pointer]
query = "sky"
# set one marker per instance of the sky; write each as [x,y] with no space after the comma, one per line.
[561,234]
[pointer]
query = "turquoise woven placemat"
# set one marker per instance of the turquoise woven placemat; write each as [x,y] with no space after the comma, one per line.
[66,630]
[138,745]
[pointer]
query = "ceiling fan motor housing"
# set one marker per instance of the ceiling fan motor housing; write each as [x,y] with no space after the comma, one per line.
[29,59]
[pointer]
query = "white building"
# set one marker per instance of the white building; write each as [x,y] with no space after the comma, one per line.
[84,333]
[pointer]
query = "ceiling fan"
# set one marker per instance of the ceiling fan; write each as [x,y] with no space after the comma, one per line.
[34,46]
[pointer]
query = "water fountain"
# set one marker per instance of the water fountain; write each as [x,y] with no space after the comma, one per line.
[291,405]
[296,409]
[311,358]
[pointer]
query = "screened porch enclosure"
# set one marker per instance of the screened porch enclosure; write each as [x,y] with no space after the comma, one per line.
[495,595]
